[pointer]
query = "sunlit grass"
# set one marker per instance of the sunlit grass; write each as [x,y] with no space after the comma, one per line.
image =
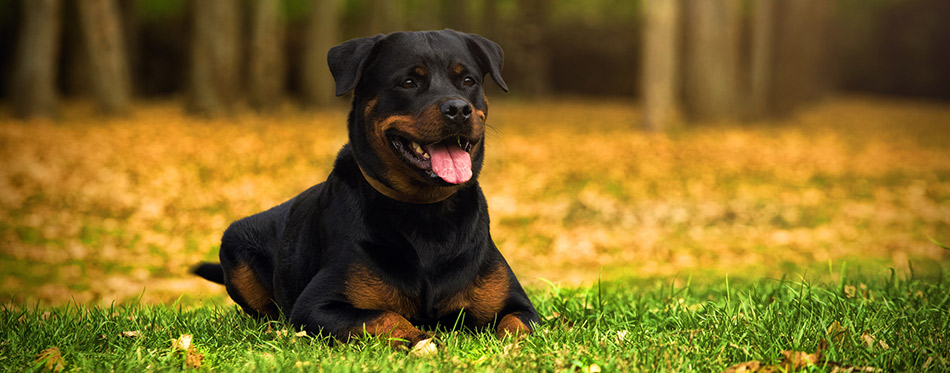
[878,323]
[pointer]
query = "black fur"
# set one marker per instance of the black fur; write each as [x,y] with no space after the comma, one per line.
[303,250]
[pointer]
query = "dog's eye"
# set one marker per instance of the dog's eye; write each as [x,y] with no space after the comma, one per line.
[408,84]
[469,81]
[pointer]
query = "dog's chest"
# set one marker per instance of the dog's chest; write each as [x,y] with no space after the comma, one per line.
[430,297]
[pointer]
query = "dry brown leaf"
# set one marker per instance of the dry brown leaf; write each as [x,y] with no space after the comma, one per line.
[850,291]
[131,334]
[794,360]
[51,359]
[867,339]
[193,359]
[748,366]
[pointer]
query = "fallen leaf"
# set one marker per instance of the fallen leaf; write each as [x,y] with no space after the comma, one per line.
[193,359]
[302,333]
[51,359]
[748,366]
[836,332]
[183,343]
[424,347]
[867,339]
[795,360]
[131,334]
[850,291]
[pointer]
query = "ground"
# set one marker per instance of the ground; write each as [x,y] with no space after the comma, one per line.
[99,209]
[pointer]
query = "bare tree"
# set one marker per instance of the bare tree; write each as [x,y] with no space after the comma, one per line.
[800,62]
[457,14]
[762,58]
[660,63]
[321,33]
[100,23]
[711,63]
[34,91]
[266,68]
[383,16]
[215,56]
[531,50]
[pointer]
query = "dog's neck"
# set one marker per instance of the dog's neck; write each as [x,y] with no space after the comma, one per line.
[431,195]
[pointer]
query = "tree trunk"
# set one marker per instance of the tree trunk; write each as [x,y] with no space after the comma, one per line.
[215,56]
[711,66]
[534,57]
[109,70]
[659,63]
[761,58]
[801,60]
[33,85]
[383,16]
[321,33]
[426,15]
[266,69]
[457,14]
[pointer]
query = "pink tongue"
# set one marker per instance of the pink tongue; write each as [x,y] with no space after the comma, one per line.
[450,162]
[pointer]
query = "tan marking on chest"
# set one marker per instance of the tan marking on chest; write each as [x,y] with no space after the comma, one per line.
[366,290]
[483,299]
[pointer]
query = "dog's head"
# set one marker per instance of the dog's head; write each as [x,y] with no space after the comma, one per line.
[418,122]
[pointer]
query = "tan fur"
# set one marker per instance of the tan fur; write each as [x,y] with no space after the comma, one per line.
[511,325]
[483,299]
[250,288]
[364,289]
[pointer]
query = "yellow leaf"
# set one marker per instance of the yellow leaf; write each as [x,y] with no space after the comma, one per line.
[850,291]
[837,332]
[593,368]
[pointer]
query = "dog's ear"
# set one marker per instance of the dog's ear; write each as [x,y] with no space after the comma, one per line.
[348,60]
[489,56]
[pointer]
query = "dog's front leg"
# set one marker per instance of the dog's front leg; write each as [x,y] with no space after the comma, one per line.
[323,308]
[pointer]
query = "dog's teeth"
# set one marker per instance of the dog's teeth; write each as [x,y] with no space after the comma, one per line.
[425,155]
[418,148]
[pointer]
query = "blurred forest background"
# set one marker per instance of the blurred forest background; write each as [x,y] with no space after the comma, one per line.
[650,140]
[719,59]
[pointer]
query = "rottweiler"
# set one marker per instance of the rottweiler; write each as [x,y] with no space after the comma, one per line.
[397,236]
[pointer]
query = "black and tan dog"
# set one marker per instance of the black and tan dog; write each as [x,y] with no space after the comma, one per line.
[397,237]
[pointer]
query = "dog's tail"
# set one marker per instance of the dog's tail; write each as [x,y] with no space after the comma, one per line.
[209,271]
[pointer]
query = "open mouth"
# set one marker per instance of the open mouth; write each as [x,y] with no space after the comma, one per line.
[449,159]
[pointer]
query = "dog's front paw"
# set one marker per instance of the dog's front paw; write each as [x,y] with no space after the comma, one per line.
[511,325]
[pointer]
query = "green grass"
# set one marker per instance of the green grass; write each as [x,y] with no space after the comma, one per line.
[620,326]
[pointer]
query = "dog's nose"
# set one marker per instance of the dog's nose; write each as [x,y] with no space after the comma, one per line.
[457,111]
